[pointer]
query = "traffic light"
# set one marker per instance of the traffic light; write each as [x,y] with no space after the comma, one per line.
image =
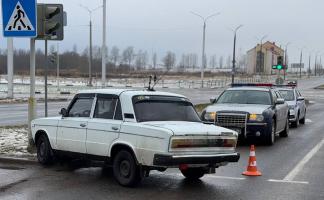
[50,19]
[279,65]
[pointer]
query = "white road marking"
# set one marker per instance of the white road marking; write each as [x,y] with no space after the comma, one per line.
[308,121]
[292,174]
[283,181]
[224,177]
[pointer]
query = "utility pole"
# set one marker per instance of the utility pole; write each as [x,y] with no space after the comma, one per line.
[234,51]
[203,57]
[58,66]
[10,67]
[300,63]
[309,65]
[104,47]
[90,55]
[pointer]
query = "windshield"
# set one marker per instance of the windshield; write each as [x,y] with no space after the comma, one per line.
[288,95]
[163,108]
[245,97]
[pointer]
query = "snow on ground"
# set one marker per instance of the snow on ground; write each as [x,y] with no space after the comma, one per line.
[13,142]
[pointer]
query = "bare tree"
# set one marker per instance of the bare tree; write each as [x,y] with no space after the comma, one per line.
[114,55]
[154,60]
[221,62]
[169,60]
[128,55]
[213,62]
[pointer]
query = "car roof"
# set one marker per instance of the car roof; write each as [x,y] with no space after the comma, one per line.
[284,88]
[129,92]
[250,88]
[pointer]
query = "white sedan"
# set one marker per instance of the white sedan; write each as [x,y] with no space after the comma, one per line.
[135,131]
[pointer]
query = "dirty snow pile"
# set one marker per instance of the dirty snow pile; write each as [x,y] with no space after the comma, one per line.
[13,142]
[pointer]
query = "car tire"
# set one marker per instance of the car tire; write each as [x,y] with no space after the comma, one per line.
[45,154]
[125,170]
[295,124]
[193,173]
[285,132]
[271,136]
[302,121]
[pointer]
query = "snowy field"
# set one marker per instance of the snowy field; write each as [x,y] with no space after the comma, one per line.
[13,142]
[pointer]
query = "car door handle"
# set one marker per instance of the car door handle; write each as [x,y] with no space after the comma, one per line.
[83,125]
[114,128]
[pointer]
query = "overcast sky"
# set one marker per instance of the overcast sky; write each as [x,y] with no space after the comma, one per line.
[162,25]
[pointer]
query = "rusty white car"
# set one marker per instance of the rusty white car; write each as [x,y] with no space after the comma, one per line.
[135,131]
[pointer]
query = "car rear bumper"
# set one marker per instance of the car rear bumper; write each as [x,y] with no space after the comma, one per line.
[173,160]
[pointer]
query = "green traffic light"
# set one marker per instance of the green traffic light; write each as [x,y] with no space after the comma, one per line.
[279,67]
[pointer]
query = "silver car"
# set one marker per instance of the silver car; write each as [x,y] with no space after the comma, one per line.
[297,105]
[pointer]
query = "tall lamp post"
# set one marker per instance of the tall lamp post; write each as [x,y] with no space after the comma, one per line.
[286,56]
[315,67]
[234,51]
[90,11]
[104,46]
[300,61]
[261,67]
[203,65]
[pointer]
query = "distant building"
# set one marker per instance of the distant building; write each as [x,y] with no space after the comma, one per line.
[262,64]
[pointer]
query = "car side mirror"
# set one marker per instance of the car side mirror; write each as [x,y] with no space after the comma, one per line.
[212,100]
[280,101]
[63,112]
[300,99]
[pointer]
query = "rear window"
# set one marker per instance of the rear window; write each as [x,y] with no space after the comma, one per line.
[288,95]
[164,108]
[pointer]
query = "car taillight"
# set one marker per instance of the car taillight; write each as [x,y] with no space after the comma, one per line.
[195,142]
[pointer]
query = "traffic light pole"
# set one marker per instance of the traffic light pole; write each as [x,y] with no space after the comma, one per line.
[58,67]
[90,55]
[46,71]
[104,47]
[10,67]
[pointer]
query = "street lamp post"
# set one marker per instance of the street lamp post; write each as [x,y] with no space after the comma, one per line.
[104,47]
[300,61]
[90,40]
[203,65]
[286,56]
[260,56]
[234,51]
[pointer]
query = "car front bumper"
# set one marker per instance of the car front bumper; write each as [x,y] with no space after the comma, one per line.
[173,160]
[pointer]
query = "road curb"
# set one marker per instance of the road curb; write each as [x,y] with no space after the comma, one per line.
[14,160]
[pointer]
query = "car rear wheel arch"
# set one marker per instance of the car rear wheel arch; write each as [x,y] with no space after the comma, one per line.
[119,147]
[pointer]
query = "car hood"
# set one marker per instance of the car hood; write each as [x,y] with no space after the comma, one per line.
[249,108]
[190,128]
[291,103]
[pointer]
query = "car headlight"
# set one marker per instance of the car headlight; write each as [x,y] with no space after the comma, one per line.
[210,116]
[291,107]
[256,117]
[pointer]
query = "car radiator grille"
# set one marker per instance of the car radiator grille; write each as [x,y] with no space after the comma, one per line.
[231,120]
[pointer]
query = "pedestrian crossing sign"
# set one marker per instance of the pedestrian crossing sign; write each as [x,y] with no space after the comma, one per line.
[19,18]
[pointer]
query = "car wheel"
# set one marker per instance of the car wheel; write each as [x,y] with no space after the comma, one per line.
[193,173]
[271,136]
[45,153]
[295,123]
[285,132]
[302,121]
[125,169]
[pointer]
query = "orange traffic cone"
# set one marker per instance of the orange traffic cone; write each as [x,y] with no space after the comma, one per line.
[252,169]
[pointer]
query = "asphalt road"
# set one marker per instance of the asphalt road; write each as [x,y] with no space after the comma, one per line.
[17,114]
[292,169]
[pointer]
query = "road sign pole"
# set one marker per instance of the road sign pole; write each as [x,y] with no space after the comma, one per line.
[10,67]
[31,101]
[58,67]
[46,71]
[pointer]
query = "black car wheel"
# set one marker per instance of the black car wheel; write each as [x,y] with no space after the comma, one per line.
[302,121]
[125,169]
[295,123]
[270,137]
[45,153]
[285,132]
[193,173]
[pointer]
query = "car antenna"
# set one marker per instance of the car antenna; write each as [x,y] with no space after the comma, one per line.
[156,80]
